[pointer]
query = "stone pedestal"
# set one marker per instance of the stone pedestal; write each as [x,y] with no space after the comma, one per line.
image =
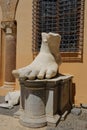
[44,101]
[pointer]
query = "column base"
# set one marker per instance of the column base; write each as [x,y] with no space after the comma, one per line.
[9,85]
[33,122]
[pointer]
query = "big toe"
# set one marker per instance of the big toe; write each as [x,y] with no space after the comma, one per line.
[15,73]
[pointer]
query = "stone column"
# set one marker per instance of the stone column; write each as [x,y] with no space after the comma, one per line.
[9,28]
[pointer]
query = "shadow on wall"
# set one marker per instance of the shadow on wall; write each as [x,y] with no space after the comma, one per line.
[73,92]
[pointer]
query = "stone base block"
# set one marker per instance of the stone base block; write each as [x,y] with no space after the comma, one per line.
[45,101]
[53,120]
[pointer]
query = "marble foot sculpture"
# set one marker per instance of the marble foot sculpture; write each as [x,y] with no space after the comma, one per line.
[47,62]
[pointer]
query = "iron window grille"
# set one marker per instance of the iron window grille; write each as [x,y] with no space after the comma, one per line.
[65,17]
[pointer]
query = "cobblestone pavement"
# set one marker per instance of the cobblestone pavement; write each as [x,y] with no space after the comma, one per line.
[11,123]
[72,121]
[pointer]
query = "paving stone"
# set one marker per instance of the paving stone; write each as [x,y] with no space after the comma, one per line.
[83,116]
[76,111]
[84,106]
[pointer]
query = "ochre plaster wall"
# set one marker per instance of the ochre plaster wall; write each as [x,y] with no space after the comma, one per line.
[24,50]
[1,51]
[24,32]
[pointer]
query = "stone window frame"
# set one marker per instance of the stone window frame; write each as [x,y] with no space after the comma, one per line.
[71,56]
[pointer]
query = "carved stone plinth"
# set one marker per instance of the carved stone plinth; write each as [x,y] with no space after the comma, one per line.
[44,101]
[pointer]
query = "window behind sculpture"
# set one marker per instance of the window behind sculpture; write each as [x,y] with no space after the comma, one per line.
[65,17]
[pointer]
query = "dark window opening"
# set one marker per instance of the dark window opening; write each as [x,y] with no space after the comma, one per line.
[65,17]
